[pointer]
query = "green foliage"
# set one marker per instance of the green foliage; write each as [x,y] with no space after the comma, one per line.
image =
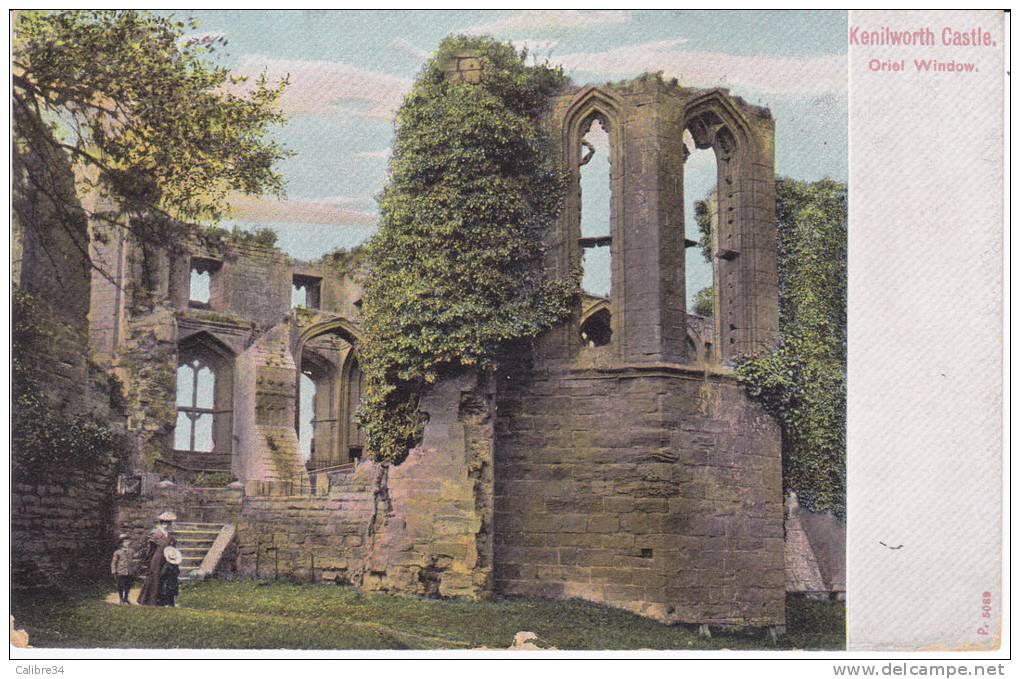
[703,218]
[45,441]
[803,381]
[704,302]
[212,479]
[347,262]
[146,116]
[815,624]
[218,237]
[217,614]
[456,264]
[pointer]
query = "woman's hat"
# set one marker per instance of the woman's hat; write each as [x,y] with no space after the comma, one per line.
[173,555]
[167,516]
[123,536]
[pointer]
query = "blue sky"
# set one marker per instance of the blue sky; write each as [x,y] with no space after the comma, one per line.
[350,69]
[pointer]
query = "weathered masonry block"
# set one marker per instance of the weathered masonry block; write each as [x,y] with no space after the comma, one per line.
[422,527]
[658,491]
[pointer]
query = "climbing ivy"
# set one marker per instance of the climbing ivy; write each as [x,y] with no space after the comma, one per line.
[218,237]
[803,381]
[456,272]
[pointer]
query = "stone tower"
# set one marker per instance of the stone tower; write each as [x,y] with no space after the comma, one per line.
[635,470]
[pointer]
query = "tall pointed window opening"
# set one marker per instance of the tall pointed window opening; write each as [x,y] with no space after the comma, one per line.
[203,435]
[329,393]
[596,230]
[701,175]
[355,387]
[196,407]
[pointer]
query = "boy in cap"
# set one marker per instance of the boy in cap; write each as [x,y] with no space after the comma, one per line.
[169,577]
[121,568]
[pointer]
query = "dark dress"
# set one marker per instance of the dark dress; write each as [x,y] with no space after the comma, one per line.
[168,584]
[153,563]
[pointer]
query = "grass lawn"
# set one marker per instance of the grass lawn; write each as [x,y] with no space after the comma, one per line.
[246,614]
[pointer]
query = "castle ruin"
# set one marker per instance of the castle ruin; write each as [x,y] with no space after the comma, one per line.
[618,462]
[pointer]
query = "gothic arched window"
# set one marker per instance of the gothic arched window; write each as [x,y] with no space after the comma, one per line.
[196,407]
[596,214]
[204,403]
[591,220]
[329,393]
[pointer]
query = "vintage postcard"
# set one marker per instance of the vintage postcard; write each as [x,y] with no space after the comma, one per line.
[671,333]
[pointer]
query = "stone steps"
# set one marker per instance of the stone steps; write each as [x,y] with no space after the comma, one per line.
[195,540]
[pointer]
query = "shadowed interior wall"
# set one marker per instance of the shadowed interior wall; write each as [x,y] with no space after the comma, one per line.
[61,518]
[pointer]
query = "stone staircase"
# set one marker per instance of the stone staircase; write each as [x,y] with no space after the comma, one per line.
[202,545]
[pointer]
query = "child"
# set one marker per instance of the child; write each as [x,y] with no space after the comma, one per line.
[168,577]
[121,568]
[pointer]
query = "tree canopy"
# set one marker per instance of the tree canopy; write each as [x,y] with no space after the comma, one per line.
[456,263]
[145,116]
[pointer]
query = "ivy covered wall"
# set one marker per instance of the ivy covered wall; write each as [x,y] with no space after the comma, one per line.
[456,264]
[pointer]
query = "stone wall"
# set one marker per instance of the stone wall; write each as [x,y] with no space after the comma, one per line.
[140,325]
[637,474]
[421,527]
[61,515]
[62,529]
[136,514]
[658,491]
[438,503]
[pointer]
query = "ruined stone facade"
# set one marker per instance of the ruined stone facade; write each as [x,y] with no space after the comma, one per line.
[420,527]
[212,366]
[61,517]
[632,470]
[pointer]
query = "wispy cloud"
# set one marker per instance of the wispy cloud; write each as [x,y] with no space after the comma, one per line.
[318,87]
[385,153]
[331,210]
[539,47]
[541,21]
[766,74]
[413,50]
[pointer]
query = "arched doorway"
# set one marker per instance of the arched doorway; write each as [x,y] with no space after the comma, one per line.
[328,393]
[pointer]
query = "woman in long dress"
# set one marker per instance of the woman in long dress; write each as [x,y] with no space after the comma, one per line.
[159,539]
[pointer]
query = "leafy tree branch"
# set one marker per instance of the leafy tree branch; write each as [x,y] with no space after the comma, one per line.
[150,124]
